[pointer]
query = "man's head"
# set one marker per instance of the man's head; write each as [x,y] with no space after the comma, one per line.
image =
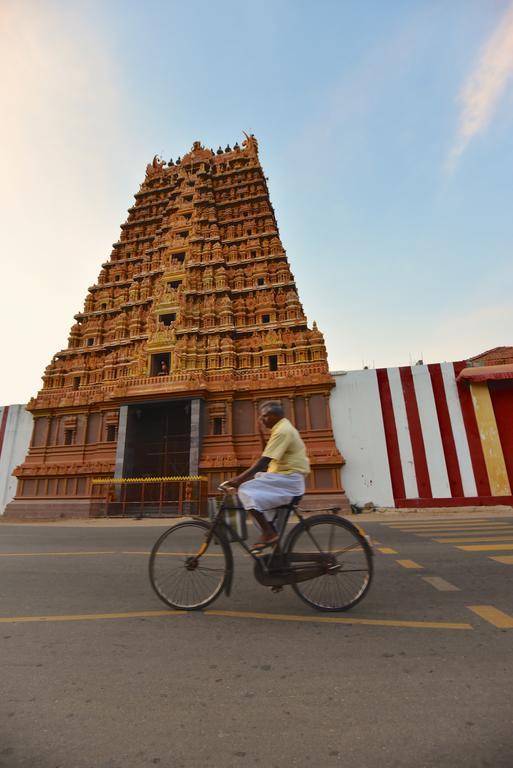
[271,412]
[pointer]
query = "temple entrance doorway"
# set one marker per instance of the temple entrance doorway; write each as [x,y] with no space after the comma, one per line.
[158,439]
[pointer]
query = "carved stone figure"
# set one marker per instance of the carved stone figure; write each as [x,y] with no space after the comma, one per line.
[154,167]
[250,144]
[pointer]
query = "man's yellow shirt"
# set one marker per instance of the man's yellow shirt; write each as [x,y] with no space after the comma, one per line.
[286,450]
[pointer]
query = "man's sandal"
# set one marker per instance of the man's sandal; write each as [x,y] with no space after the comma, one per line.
[263,543]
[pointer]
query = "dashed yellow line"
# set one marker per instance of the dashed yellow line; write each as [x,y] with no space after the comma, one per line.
[493,616]
[441,584]
[427,524]
[387,550]
[463,532]
[409,564]
[506,559]
[484,547]
[468,531]
[474,539]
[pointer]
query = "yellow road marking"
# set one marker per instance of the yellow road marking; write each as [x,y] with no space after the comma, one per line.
[456,534]
[441,584]
[387,550]
[484,547]
[135,552]
[460,532]
[474,539]
[240,615]
[459,526]
[103,552]
[469,529]
[493,616]
[89,616]
[409,564]
[506,559]
[467,521]
[452,527]
[175,554]
[55,554]
[340,620]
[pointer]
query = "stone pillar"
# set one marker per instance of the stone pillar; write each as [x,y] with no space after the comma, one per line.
[122,435]
[307,414]
[229,417]
[195,436]
[328,411]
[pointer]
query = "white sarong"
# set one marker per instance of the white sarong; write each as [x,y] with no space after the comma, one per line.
[268,490]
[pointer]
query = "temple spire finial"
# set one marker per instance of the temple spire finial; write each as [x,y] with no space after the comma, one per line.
[250,143]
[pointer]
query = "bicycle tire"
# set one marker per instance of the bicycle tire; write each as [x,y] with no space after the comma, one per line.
[171,576]
[348,582]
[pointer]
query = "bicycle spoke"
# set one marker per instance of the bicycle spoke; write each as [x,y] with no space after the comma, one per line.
[180,578]
[348,561]
[332,535]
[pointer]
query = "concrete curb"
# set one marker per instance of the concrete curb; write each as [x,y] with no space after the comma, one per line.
[379,515]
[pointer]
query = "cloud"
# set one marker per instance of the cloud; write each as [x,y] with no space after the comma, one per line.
[485,85]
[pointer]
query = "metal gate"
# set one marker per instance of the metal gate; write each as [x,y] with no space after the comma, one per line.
[138,497]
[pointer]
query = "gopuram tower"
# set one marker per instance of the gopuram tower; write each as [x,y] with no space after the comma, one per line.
[194,321]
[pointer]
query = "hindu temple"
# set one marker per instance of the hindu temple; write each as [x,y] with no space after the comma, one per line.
[195,319]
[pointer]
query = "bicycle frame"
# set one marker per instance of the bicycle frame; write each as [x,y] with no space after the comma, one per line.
[220,526]
[268,569]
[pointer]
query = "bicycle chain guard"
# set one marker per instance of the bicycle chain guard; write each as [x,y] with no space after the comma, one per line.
[281,573]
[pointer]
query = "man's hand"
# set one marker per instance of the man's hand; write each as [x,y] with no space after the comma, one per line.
[229,486]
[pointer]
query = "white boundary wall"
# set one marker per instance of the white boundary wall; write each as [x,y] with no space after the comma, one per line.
[360,436]
[18,431]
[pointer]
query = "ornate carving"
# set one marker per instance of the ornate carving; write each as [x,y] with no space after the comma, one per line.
[201,244]
[154,167]
[250,144]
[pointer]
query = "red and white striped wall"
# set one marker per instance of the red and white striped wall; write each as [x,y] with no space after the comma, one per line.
[416,437]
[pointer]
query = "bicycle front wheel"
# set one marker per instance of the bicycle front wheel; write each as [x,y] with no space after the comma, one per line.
[181,576]
[348,570]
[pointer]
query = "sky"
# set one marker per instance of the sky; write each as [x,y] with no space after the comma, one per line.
[385,130]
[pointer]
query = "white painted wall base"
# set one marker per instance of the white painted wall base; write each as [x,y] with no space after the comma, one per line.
[18,431]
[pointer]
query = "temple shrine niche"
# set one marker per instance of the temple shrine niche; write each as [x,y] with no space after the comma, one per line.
[195,319]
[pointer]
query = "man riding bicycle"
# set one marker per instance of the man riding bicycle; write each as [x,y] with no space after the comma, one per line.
[277,476]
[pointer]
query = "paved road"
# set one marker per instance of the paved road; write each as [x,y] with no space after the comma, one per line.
[95,673]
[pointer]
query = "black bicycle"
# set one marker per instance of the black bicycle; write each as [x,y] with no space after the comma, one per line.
[327,560]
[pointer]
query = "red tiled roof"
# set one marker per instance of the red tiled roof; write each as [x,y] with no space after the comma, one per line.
[495,356]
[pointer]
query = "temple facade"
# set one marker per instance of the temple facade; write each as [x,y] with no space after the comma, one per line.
[194,321]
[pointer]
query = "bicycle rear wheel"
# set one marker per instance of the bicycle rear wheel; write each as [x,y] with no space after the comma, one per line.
[349,569]
[179,577]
